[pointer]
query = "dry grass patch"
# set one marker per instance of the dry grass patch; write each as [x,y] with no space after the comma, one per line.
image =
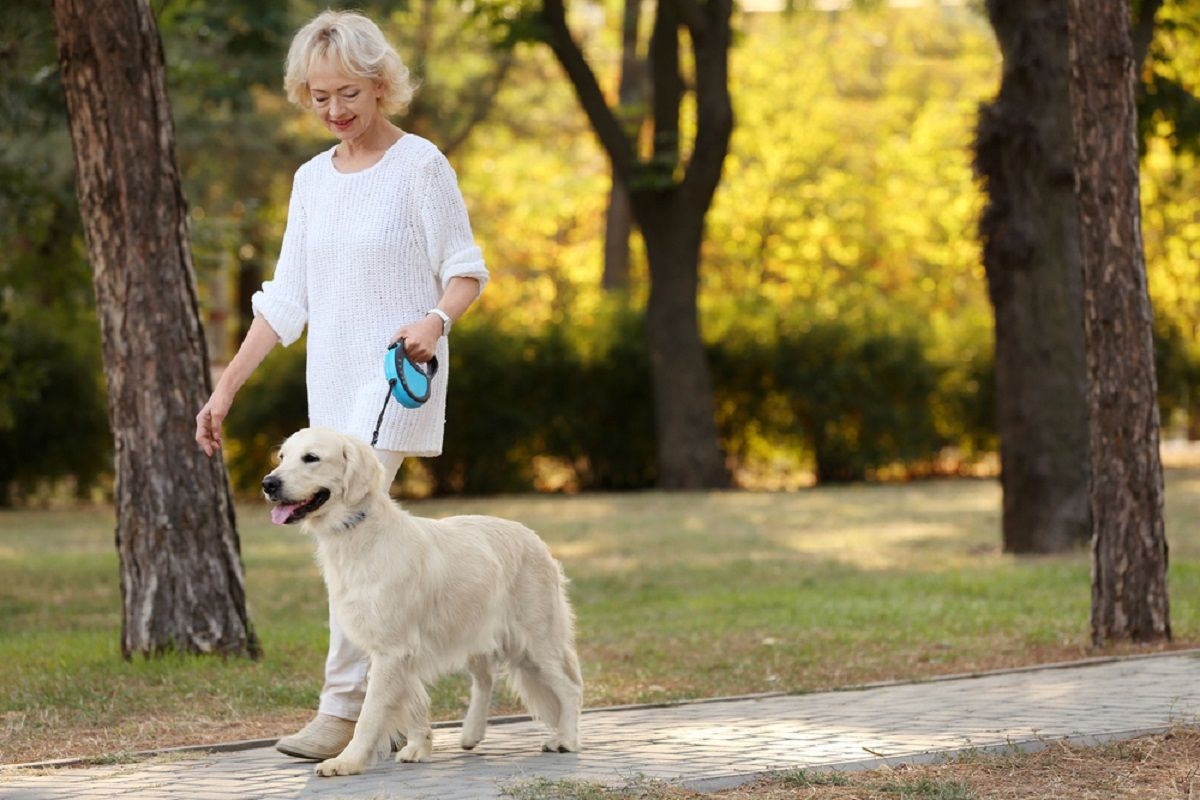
[1159,767]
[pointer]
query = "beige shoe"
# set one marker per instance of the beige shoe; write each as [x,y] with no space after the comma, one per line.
[324,737]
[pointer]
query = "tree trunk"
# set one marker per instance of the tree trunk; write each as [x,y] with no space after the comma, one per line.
[1030,231]
[1129,546]
[618,225]
[685,427]
[631,92]
[182,586]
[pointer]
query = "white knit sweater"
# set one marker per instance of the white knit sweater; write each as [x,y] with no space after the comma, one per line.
[363,254]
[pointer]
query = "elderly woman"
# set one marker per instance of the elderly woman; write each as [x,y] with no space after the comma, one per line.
[378,247]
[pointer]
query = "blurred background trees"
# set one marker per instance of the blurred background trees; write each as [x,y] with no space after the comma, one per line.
[842,298]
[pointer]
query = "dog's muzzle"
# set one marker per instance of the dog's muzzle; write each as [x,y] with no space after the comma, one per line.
[271,487]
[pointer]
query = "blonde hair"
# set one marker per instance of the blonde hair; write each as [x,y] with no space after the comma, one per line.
[359,47]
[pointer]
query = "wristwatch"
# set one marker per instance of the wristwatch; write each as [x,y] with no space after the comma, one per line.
[446,321]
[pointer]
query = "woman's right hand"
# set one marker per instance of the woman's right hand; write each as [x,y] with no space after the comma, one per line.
[208,421]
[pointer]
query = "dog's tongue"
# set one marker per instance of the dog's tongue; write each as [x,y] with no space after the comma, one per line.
[281,512]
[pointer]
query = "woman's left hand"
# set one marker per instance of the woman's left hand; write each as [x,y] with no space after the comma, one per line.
[420,338]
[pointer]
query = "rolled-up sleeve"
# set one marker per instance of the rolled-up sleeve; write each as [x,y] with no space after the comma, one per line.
[283,300]
[452,249]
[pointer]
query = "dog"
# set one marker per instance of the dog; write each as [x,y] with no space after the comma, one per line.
[424,597]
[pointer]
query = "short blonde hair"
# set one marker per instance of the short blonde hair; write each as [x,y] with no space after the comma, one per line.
[357,44]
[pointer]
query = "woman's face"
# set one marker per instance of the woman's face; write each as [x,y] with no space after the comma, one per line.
[345,104]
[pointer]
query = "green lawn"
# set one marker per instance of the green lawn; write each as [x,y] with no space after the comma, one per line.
[677,595]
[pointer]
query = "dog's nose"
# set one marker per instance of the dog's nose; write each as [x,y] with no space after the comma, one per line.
[271,486]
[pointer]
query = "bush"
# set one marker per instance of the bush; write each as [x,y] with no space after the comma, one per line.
[53,416]
[854,401]
[862,399]
[270,407]
[1178,374]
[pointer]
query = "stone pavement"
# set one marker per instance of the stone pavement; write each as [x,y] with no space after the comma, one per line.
[706,745]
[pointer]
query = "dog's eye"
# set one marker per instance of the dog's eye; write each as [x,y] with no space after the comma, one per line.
[309,458]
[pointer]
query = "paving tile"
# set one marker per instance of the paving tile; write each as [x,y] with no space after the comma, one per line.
[710,741]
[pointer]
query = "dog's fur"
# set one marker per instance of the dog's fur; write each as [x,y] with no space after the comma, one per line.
[423,597]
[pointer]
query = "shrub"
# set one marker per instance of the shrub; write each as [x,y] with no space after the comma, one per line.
[53,417]
[580,394]
[862,398]
[270,407]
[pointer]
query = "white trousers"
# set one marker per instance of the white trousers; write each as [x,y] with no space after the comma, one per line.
[346,665]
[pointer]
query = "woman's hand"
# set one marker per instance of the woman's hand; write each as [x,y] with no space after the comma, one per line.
[420,338]
[208,421]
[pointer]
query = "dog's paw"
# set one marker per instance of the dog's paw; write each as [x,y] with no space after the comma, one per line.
[556,745]
[339,766]
[414,752]
[471,738]
[553,745]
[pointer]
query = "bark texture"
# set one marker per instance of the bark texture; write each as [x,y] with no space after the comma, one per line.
[182,585]
[1129,547]
[670,213]
[1030,232]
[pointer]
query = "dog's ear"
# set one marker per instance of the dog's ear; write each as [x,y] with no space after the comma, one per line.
[362,473]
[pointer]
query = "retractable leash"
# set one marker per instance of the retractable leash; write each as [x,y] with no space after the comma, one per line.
[407,382]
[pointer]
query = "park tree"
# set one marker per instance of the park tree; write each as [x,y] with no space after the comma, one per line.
[1030,237]
[182,584]
[1129,547]
[1030,240]
[669,197]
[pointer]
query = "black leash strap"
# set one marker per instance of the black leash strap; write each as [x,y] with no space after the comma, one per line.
[378,422]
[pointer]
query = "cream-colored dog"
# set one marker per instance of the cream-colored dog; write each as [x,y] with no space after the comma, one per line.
[424,597]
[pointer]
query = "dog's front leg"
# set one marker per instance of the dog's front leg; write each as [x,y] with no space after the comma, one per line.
[387,698]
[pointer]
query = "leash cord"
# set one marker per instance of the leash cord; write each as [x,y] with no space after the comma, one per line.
[379,422]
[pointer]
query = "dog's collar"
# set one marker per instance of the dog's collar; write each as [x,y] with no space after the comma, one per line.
[354,520]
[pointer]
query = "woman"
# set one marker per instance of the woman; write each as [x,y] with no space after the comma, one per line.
[378,247]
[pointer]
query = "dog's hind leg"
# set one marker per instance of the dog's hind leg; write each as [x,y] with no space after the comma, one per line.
[482,677]
[566,681]
[560,674]
[553,697]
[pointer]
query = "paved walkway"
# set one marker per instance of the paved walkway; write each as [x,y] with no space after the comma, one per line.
[704,745]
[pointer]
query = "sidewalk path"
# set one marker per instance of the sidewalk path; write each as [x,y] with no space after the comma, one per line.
[704,745]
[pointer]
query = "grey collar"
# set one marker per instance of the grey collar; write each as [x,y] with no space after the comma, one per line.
[353,520]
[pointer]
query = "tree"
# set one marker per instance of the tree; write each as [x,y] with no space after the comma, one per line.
[1129,547]
[670,212]
[1031,257]
[182,585]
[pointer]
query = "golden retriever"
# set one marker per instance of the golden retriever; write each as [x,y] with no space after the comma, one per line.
[424,597]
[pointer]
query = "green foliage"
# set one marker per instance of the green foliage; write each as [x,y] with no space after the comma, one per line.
[1167,103]
[1178,374]
[271,406]
[863,398]
[53,420]
[847,198]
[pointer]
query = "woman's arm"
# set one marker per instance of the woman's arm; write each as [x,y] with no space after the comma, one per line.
[259,341]
[420,338]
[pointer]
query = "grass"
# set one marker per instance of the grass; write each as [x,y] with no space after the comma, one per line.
[1159,767]
[677,596]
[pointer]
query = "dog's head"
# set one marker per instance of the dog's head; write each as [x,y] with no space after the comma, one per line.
[320,472]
